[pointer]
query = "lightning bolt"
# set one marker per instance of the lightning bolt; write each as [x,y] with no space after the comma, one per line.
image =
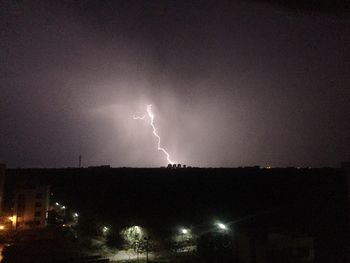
[154,130]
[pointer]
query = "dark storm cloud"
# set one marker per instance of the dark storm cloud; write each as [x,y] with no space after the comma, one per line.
[231,84]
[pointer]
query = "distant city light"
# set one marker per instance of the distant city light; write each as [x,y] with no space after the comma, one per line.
[63,207]
[75,214]
[105,229]
[57,204]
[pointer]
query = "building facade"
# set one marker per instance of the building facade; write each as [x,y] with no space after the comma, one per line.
[31,208]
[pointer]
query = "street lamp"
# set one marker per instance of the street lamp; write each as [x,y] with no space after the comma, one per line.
[222,226]
[184,231]
[105,229]
[185,235]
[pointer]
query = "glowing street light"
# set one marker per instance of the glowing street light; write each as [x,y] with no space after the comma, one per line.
[137,229]
[221,226]
[184,235]
[184,231]
[105,229]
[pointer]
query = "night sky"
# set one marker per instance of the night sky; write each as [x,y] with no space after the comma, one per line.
[232,83]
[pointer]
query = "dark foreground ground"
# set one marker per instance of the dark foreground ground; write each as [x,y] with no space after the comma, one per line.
[256,203]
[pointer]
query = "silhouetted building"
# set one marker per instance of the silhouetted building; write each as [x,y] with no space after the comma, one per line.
[31,207]
[284,248]
[345,165]
[2,183]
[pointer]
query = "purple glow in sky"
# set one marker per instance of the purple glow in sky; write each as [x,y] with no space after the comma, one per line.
[232,83]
